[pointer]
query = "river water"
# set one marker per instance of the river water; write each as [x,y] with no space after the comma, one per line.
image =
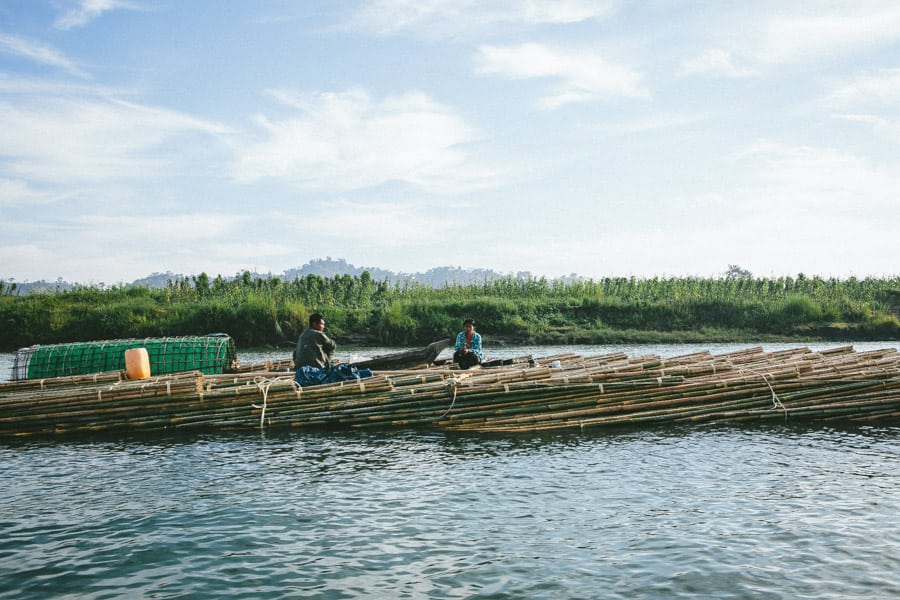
[776,511]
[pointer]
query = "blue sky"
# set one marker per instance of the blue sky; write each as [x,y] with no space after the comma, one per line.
[602,138]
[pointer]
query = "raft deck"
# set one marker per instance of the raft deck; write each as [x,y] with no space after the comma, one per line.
[796,385]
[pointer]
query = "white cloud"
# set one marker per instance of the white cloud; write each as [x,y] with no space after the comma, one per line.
[16,192]
[85,11]
[114,248]
[809,180]
[873,96]
[440,18]
[346,141]
[187,228]
[887,128]
[744,41]
[85,138]
[715,61]
[560,11]
[653,123]
[832,30]
[28,261]
[804,209]
[880,87]
[39,53]
[767,243]
[382,224]
[15,85]
[579,190]
[585,75]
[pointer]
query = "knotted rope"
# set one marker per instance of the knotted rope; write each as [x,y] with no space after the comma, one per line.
[264,383]
[453,383]
[776,402]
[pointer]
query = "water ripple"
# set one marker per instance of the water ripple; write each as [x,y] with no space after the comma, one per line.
[762,513]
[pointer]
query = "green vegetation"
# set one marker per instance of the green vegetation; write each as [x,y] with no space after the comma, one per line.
[265,312]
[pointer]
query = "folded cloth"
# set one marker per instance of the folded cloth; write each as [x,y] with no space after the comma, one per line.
[306,376]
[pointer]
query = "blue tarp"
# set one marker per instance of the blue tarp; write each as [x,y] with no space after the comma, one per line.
[307,376]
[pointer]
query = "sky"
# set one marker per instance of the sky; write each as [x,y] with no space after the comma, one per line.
[660,138]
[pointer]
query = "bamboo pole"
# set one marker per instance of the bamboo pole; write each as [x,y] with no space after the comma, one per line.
[608,390]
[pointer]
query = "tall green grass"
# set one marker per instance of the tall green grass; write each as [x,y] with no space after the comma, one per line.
[258,312]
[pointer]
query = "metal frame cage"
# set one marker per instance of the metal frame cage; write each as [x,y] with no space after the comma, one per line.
[210,354]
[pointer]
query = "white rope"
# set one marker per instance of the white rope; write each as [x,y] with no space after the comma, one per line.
[452,382]
[264,384]
[776,402]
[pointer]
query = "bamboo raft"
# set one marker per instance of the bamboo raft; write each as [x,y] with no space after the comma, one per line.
[796,385]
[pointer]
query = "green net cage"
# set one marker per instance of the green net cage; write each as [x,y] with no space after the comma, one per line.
[210,354]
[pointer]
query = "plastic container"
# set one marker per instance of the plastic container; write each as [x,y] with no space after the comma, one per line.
[137,363]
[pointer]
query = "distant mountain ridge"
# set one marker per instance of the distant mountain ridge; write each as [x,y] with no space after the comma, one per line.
[324,267]
[435,277]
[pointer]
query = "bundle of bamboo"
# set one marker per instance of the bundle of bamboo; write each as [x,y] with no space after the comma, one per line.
[565,391]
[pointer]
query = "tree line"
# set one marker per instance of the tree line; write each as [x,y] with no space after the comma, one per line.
[260,312]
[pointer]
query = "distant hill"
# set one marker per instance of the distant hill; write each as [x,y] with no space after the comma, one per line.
[329,267]
[14,288]
[158,279]
[436,277]
[325,267]
[153,281]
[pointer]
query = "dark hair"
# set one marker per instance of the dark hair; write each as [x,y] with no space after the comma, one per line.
[469,322]
[315,318]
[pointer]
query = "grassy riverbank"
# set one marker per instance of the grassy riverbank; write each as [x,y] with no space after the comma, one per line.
[271,312]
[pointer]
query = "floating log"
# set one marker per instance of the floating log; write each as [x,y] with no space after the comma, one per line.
[422,357]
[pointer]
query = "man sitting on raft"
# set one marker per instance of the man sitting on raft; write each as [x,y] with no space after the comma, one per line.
[314,348]
[467,352]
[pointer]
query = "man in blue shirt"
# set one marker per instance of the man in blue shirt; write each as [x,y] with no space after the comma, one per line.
[467,352]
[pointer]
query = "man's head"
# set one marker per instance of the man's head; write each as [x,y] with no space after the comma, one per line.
[317,322]
[469,324]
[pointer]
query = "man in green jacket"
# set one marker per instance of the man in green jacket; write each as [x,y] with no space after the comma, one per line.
[314,348]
